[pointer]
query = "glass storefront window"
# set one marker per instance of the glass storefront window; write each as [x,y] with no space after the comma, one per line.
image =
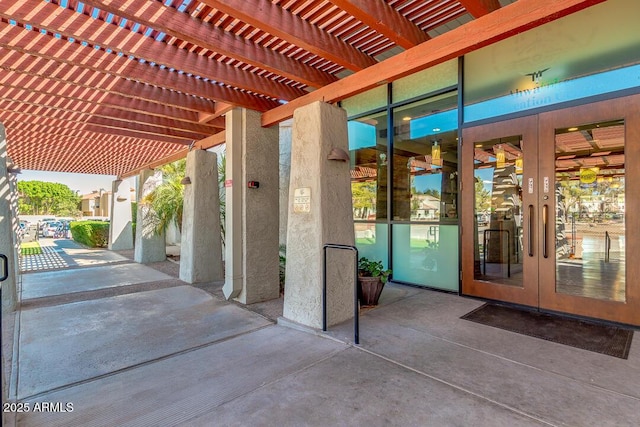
[425,160]
[369,163]
[372,241]
[426,254]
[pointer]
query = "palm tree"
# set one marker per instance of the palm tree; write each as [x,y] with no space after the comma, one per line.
[166,200]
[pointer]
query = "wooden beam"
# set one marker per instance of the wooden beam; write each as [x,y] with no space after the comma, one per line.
[84,28]
[201,33]
[499,25]
[203,144]
[100,106]
[384,19]
[283,24]
[478,8]
[130,71]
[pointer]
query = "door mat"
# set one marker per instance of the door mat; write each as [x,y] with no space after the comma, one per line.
[600,338]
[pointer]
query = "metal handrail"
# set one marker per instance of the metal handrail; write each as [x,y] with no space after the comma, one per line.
[356,306]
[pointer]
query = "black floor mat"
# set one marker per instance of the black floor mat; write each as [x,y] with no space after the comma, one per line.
[600,338]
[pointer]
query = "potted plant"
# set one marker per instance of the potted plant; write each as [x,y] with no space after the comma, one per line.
[372,277]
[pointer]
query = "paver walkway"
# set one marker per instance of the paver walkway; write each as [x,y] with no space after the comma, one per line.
[65,253]
[165,353]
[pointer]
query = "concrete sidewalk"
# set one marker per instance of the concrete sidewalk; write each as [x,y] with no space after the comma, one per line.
[170,354]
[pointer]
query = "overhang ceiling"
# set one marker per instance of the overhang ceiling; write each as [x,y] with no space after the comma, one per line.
[104,87]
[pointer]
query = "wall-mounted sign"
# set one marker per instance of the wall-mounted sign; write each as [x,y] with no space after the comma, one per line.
[302,200]
[228,182]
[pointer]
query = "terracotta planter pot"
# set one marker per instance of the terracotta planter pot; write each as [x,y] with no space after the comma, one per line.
[370,289]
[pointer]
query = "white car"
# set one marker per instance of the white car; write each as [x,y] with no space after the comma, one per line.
[50,228]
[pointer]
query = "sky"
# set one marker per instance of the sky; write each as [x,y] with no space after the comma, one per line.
[83,183]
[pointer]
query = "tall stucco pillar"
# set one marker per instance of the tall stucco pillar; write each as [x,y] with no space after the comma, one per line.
[150,245]
[120,230]
[201,245]
[320,212]
[252,214]
[8,224]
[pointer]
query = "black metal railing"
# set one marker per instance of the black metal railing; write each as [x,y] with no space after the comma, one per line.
[356,305]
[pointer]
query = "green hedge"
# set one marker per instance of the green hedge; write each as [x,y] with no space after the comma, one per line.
[94,234]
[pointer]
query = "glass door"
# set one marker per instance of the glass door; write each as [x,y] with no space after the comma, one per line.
[550,210]
[590,158]
[499,200]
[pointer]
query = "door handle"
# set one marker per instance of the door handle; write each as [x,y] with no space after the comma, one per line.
[545,216]
[530,231]
[5,267]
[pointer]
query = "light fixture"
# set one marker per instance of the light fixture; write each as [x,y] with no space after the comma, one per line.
[338,154]
[185,181]
[406,118]
[14,170]
[519,163]
[500,158]
[435,154]
[383,159]
[573,129]
[121,198]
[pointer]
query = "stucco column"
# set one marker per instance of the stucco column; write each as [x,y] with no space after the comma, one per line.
[252,214]
[320,212]
[8,224]
[150,245]
[120,230]
[201,245]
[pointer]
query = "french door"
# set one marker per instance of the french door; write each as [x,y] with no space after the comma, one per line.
[550,210]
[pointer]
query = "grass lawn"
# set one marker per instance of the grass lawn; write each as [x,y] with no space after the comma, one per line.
[30,248]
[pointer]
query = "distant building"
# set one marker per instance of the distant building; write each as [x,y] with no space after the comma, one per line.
[98,203]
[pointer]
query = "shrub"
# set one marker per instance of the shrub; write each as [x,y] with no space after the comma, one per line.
[94,234]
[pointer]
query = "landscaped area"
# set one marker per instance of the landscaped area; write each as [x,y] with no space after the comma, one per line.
[30,248]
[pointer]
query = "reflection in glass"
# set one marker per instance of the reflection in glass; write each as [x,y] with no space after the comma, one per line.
[425,160]
[372,241]
[426,254]
[498,169]
[590,211]
[369,163]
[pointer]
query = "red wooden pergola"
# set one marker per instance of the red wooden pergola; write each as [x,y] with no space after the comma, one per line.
[112,86]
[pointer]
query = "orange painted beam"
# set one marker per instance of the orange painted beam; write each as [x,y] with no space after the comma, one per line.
[283,24]
[499,25]
[478,8]
[203,144]
[201,33]
[81,27]
[38,45]
[384,19]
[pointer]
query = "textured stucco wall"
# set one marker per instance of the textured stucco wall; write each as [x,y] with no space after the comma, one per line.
[317,128]
[200,247]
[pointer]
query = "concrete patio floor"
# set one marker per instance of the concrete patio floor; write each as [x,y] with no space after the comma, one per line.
[160,352]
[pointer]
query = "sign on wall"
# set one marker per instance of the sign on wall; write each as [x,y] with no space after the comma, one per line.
[302,200]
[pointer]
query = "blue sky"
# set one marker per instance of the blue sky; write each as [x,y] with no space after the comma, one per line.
[83,183]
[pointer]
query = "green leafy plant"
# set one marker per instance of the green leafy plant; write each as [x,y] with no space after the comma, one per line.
[368,268]
[94,234]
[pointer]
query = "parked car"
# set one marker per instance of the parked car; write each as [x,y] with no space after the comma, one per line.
[50,228]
